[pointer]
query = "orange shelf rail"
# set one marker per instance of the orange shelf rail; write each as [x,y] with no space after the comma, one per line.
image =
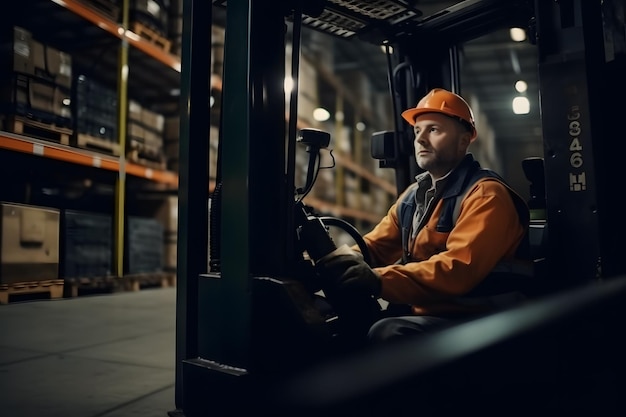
[164,177]
[78,156]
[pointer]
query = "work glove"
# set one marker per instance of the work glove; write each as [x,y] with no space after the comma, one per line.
[345,274]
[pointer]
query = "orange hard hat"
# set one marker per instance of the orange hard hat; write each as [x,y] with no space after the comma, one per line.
[442,101]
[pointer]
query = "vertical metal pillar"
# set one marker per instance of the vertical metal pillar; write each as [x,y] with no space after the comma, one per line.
[120,184]
[610,87]
[193,188]
[566,76]
[254,235]
[254,204]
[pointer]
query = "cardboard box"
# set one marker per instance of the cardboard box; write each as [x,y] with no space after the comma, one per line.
[153,139]
[134,111]
[16,51]
[136,131]
[51,64]
[29,249]
[167,214]
[37,99]
[171,128]
[41,96]
[152,120]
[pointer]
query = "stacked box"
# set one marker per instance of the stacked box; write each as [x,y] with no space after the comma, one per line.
[36,79]
[167,215]
[175,32]
[16,46]
[30,97]
[359,84]
[96,109]
[144,245]
[308,94]
[145,134]
[352,192]
[86,245]
[52,64]
[29,249]
[218,39]
[172,146]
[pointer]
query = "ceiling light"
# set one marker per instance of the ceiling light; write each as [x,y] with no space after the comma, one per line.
[360,126]
[518,34]
[521,105]
[521,86]
[386,47]
[321,115]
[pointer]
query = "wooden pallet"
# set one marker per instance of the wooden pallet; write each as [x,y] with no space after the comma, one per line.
[137,282]
[150,151]
[89,142]
[151,36]
[134,156]
[33,128]
[31,289]
[75,287]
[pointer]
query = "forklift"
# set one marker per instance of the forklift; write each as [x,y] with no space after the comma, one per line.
[252,338]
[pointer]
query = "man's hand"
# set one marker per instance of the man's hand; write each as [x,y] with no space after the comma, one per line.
[346,274]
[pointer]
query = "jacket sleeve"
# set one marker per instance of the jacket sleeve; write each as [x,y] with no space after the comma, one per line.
[385,240]
[487,231]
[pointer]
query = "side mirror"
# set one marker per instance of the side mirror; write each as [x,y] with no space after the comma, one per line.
[382,146]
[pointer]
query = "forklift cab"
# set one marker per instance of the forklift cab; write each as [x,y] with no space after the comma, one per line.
[250,336]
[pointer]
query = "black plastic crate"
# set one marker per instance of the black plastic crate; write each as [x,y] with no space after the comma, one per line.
[86,245]
[144,245]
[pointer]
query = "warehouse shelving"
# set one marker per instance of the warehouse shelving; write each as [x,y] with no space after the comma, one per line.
[109,48]
[169,70]
[115,29]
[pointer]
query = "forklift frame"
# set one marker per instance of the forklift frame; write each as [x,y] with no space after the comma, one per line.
[224,363]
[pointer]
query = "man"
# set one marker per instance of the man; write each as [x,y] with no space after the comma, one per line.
[458,246]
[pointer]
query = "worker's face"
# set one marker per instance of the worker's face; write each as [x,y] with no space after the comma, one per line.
[440,143]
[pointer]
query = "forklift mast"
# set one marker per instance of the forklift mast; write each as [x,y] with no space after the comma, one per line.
[251,324]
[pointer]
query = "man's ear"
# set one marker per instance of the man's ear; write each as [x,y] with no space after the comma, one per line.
[466,138]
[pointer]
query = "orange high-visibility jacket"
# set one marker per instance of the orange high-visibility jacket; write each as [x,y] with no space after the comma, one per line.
[443,267]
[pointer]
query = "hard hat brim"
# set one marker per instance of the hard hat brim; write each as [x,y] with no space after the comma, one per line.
[411,114]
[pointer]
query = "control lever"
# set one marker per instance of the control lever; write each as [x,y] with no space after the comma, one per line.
[355,313]
[312,232]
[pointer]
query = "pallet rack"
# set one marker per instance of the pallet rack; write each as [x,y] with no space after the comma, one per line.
[123,58]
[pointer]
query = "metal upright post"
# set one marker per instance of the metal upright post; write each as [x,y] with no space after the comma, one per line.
[120,184]
[254,204]
[566,66]
[193,191]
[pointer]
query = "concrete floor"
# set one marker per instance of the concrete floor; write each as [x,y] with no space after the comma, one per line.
[106,355]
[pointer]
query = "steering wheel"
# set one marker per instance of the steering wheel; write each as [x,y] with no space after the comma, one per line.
[352,231]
